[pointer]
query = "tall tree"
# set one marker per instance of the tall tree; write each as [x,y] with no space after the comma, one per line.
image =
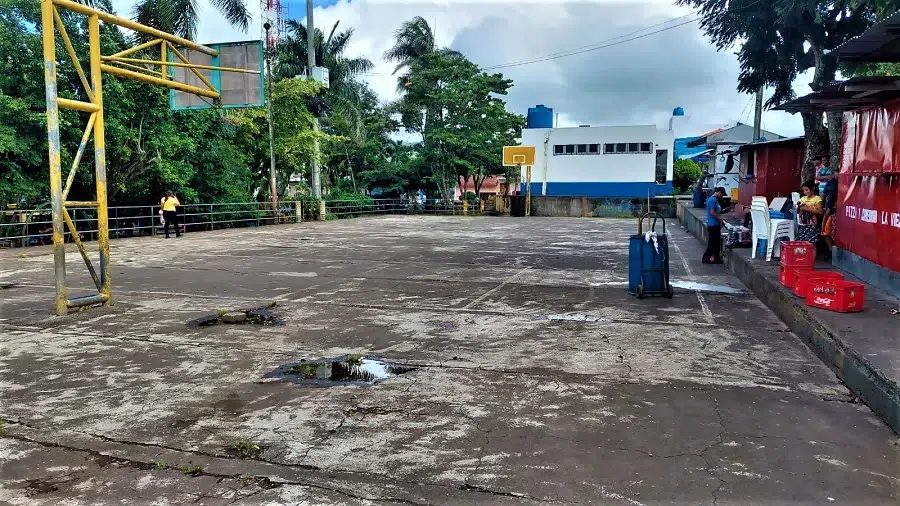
[413,41]
[780,39]
[182,17]
[469,122]
[330,52]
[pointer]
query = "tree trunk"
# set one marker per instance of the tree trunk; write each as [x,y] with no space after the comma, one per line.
[479,182]
[815,143]
[835,123]
[816,140]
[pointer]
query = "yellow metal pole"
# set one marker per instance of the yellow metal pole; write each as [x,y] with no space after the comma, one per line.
[117,59]
[135,49]
[78,154]
[76,105]
[144,70]
[59,249]
[100,158]
[131,25]
[528,191]
[155,80]
[164,53]
[71,50]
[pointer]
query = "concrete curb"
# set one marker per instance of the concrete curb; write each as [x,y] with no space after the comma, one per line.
[881,394]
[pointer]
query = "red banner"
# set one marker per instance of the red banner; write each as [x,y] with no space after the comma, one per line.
[868,216]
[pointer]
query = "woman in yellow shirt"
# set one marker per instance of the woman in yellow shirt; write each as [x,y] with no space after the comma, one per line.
[169,205]
[809,215]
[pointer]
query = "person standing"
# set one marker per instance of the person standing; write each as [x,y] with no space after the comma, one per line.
[169,205]
[829,214]
[714,223]
[823,171]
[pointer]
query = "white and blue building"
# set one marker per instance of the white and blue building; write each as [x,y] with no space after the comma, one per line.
[605,161]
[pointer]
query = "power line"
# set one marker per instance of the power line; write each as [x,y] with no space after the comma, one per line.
[591,47]
[573,53]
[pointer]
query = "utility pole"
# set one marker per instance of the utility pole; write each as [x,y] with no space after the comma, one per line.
[272,178]
[311,62]
[757,118]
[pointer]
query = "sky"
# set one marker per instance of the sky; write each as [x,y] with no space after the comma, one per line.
[633,82]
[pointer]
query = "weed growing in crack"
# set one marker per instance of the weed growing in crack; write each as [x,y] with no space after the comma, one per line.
[354,359]
[244,448]
[246,479]
[222,312]
[161,465]
[192,469]
[2,428]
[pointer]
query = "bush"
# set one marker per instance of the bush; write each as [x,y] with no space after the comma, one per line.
[687,172]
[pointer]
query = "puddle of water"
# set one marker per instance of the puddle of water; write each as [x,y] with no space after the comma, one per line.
[259,316]
[343,370]
[572,318]
[703,287]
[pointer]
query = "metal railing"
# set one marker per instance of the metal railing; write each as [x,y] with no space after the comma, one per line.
[33,227]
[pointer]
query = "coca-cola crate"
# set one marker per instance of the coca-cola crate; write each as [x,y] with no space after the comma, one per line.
[836,295]
[798,254]
[788,275]
[804,280]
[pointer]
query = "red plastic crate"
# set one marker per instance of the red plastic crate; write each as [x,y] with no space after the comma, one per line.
[789,275]
[798,254]
[804,280]
[836,295]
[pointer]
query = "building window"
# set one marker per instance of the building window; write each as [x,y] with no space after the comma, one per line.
[593,149]
[662,165]
[609,148]
[582,149]
[621,147]
[646,147]
[558,149]
[633,147]
[570,149]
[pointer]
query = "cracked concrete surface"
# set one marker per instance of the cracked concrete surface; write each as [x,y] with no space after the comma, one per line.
[626,402]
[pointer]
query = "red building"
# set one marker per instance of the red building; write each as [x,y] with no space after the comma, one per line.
[867,241]
[769,168]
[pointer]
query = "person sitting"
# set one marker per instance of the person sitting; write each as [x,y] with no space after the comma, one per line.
[809,218]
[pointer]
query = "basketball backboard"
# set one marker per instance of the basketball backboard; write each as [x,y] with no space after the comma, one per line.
[518,155]
[236,89]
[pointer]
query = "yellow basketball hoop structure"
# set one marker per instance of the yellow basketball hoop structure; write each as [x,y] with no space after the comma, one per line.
[121,65]
[519,156]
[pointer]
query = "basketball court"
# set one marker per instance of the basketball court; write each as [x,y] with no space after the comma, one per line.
[535,378]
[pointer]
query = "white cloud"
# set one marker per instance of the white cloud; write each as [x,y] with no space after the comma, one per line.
[640,81]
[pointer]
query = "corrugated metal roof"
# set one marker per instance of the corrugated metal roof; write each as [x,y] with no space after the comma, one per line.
[852,94]
[786,140]
[880,43]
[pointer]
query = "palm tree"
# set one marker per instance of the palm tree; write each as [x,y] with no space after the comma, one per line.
[291,59]
[414,40]
[181,17]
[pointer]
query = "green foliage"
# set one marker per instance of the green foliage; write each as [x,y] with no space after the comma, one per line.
[463,123]
[245,448]
[216,156]
[686,173]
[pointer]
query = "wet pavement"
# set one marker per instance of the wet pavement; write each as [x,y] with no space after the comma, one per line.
[536,378]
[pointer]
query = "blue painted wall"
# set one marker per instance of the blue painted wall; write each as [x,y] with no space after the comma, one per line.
[681,149]
[601,189]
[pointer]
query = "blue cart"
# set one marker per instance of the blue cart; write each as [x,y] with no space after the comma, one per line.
[648,263]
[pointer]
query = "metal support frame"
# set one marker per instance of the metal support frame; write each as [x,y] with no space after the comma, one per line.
[116,64]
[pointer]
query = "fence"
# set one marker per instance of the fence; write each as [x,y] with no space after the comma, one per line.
[20,228]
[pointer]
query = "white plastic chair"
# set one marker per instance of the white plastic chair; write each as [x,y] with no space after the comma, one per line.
[766,228]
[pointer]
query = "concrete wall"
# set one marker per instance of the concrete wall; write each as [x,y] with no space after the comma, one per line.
[599,174]
[586,207]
